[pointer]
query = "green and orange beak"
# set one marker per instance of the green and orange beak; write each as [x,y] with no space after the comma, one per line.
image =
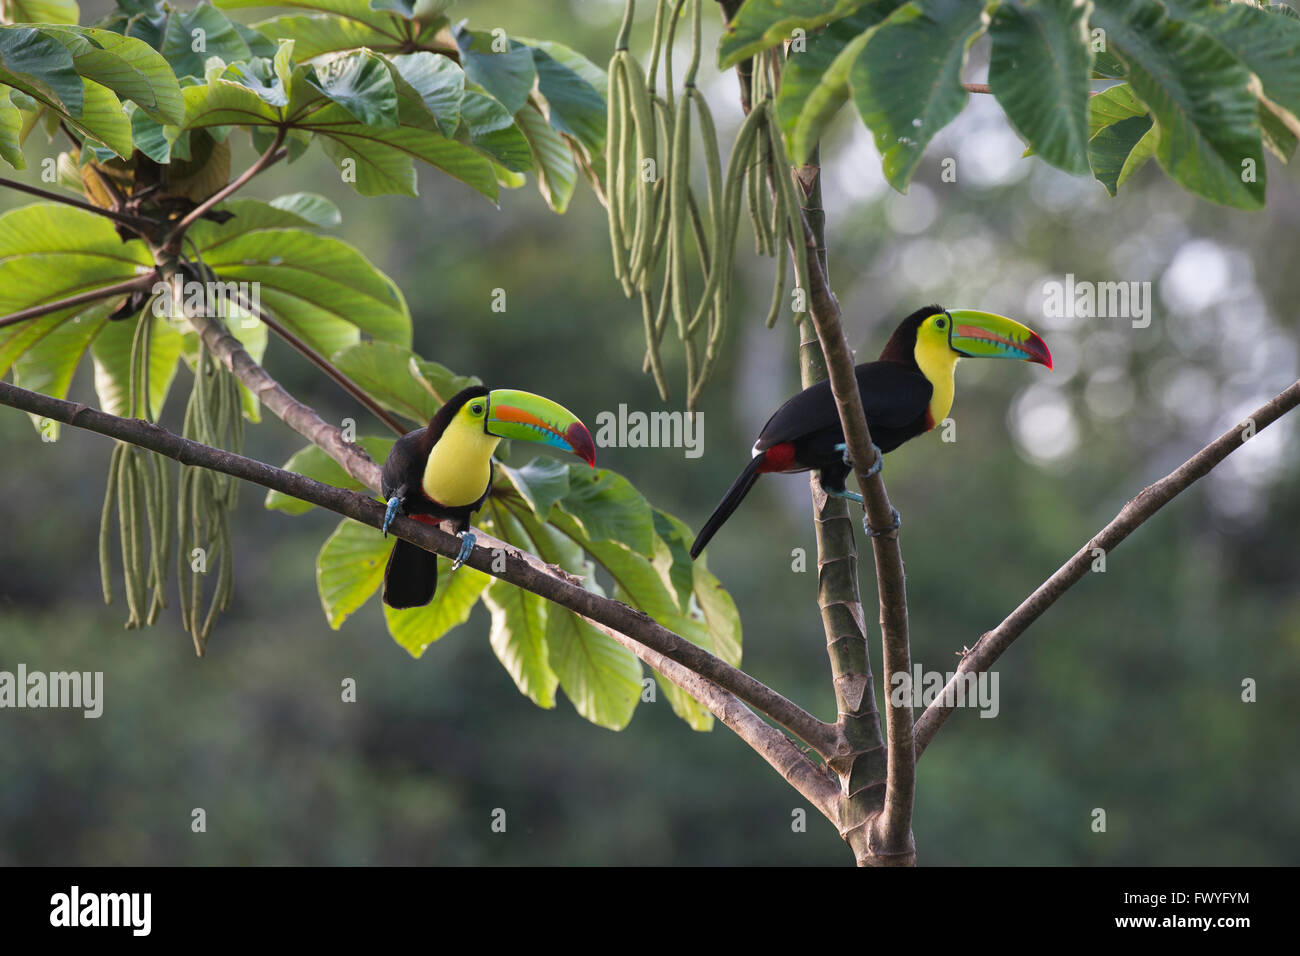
[985,335]
[523,416]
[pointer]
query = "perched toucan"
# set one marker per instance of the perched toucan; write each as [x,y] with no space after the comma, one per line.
[904,394]
[444,472]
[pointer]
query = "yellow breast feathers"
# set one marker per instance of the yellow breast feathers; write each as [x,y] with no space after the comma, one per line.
[460,465]
[938,363]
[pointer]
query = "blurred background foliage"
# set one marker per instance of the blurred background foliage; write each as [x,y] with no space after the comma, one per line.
[1126,696]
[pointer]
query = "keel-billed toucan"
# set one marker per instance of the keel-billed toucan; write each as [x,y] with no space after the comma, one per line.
[444,472]
[904,394]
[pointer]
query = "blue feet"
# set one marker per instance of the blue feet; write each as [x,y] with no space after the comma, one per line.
[843,449]
[466,546]
[876,465]
[844,493]
[394,506]
[898,523]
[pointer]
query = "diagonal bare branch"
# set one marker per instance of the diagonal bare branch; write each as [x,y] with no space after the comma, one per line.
[1149,500]
[135,223]
[523,570]
[272,155]
[85,298]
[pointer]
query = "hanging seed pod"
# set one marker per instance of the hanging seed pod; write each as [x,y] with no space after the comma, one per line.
[778,287]
[790,201]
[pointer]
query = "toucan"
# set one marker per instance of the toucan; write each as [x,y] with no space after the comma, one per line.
[443,472]
[904,394]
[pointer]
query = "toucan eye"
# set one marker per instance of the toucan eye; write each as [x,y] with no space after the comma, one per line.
[477,408]
[941,323]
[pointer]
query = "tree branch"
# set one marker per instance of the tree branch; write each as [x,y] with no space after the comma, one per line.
[884,838]
[301,418]
[523,570]
[1151,499]
[84,298]
[326,366]
[770,744]
[891,832]
[135,223]
[270,157]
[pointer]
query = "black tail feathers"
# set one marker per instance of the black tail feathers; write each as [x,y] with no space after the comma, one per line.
[411,577]
[730,501]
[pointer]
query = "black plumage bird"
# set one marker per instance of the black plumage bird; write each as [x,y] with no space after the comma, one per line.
[904,394]
[443,472]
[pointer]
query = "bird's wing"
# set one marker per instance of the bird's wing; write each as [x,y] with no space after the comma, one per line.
[401,467]
[893,396]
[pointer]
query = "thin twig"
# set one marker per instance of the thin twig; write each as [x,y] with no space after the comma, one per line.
[135,223]
[84,298]
[272,155]
[1151,499]
[326,366]
[522,569]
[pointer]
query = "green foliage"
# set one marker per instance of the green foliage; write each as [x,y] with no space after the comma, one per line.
[1217,81]
[593,525]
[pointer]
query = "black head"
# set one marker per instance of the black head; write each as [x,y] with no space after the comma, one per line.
[438,424]
[902,344]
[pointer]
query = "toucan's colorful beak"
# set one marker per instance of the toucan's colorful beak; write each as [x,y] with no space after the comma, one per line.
[985,335]
[523,416]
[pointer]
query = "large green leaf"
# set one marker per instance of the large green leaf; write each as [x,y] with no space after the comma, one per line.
[40,66]
[312,462]
[1266,43]
[129,67]
[815,80]
[49,365]
[518,638]
[361,83]
[574,105]
[1200,96]
[542,482]
[311,208]
[494,131]
[639,583]
[321,288]
[608,508]
[317,34]
[438,81]
[1039,71]
[557,176]
[11,126]
[358,10]
[350,568]
[761,24]
[375,160]
[400,380]
[907,80]
[1111,151]
[507,73]
[1117,122]
[103,118]
[50,252]
[111,351]
[191,36]
[42,11]
[417,627]
[600,676]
